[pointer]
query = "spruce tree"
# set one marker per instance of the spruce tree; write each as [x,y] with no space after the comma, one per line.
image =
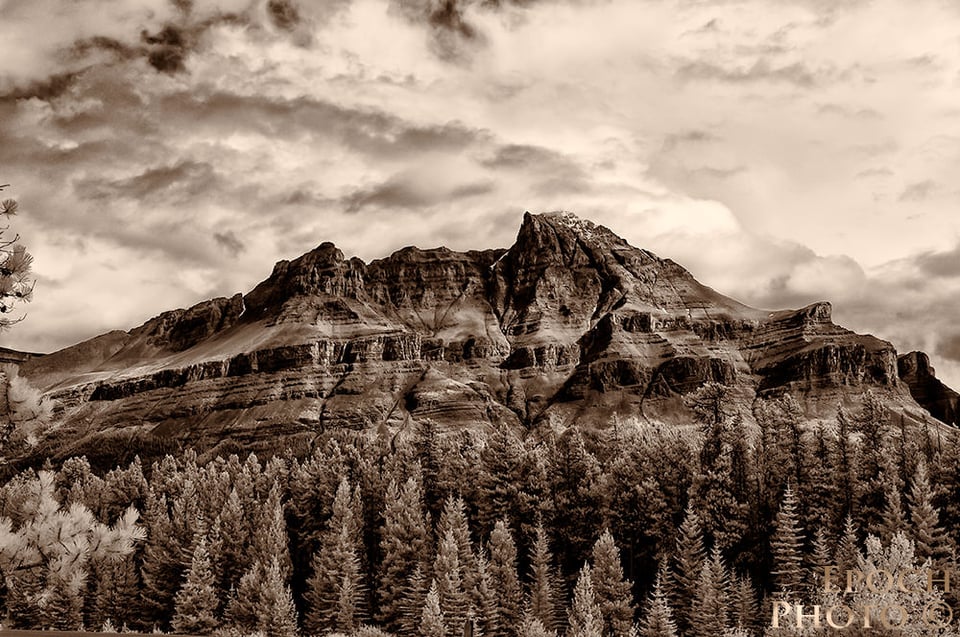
[532,627]
[196,602]
[930,538]
[847,556]
[351,605]
[339,548]
[820,557]
[744,611]
[488,611]
[118,592]
[454,601]
[690,557]
[710,605]
[453,520]
[403,544]
[270,541]
[411,605]
[658,621]
[233,528]
[584,619]
[263,602]
[503,577]
[432,622]
[612,590]
[786,547]
[542,598]
[277,613]
[892,519]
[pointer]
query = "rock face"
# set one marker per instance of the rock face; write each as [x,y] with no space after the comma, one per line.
[942,402]
[571,324]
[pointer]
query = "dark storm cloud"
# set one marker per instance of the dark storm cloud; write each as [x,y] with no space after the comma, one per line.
[183,179]
[116,48]
[371,131]
[46,89]
[167,50]
[552,172]
[949,346]
[284,14]
[762,70]
[451,32]
[918,191]
[940,264]
[229,242]
[408,193]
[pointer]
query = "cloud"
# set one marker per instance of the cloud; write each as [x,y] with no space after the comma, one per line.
[284,14]
[411,191]
[761,70]
[229,242]
[919,191]
[181,181]
[940,264]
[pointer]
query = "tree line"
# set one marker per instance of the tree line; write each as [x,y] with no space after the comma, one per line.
[619,531]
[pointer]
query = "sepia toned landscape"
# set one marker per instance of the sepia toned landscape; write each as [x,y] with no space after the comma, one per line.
[585,318]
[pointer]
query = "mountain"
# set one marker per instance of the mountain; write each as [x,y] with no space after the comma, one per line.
[570,325]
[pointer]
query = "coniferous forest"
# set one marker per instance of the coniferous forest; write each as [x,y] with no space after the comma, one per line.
[623,530]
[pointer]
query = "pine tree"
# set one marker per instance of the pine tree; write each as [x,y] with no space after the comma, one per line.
[584,619]
[453,520]
[488,611]
[339,548]
[263,602]
[454,601]
[501,484]
[503,577]
[233,528]
[277,612]
[688,564]
[270,541]
[612,590]
[432,622]
[787,547]
[16,282]
[532,627]
[744,609]
[118,592]
[930,538]
[710,605]
[892,519]
[658,621]
[542,596]
[845,478]
[847,556]
[403,543]
[52,550]
[350,596]
[411,604]
[196,602]
[818,559]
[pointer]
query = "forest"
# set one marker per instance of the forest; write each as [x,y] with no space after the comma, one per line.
[623,530]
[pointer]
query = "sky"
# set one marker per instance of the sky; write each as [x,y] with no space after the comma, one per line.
[785,151]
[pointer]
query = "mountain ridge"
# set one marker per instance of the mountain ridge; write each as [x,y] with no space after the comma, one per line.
[569,325]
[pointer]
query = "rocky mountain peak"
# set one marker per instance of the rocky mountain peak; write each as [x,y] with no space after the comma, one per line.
[570,325]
